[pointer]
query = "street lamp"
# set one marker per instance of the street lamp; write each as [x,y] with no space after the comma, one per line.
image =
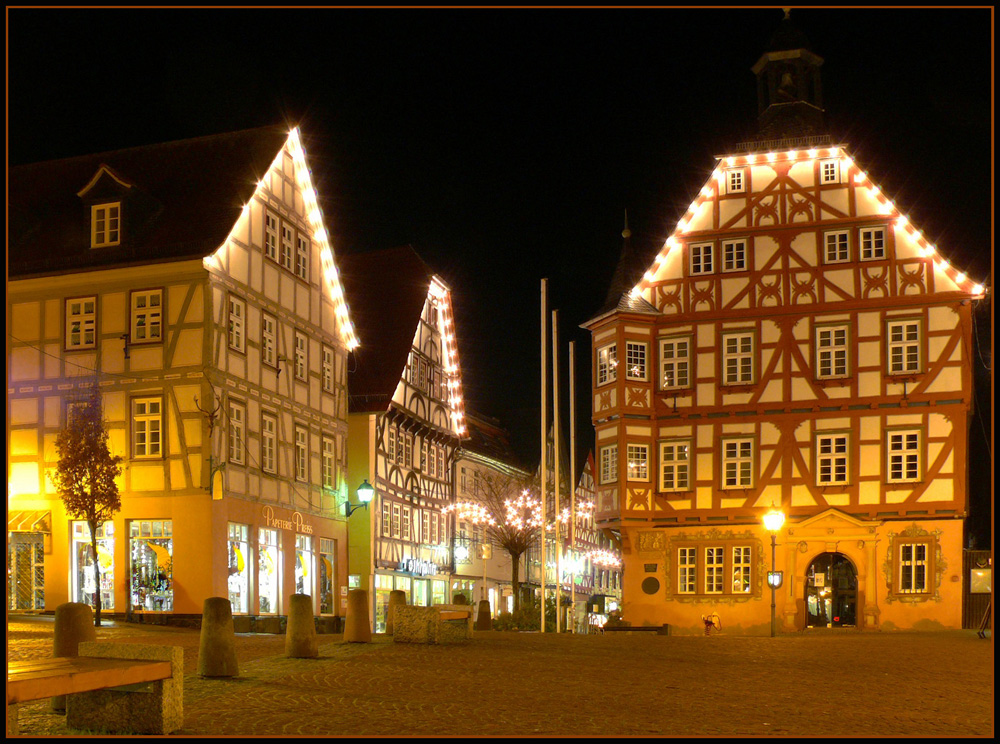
[773,521]
[365,493]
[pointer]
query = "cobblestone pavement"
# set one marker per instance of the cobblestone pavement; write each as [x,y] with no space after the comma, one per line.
[509,684]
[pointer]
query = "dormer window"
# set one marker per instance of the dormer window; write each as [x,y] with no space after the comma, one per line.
[105,225]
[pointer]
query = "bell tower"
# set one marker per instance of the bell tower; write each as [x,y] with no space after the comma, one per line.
[789,92]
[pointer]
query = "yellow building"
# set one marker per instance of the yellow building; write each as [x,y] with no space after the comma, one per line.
[406,421]
[796,345]
[194,282]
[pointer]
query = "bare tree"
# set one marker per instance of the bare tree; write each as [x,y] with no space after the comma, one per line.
[505,505]
[86,472]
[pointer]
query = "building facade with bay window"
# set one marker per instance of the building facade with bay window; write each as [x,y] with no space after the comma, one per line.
[194,283]
[797,344]
[406,421]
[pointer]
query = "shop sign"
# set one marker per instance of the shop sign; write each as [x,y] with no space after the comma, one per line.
[417,567]
[297,523]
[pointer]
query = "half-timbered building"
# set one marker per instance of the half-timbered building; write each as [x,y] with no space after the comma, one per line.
[406,421]
[797,344]
[194,283]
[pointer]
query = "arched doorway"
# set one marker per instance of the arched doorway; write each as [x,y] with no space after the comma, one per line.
[831,592]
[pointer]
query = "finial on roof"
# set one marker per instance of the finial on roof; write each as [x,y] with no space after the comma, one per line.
[626,233]
[788,13]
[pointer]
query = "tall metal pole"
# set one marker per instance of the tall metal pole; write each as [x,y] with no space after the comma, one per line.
[572,482]
[774,542]
[555,456]
[544,425]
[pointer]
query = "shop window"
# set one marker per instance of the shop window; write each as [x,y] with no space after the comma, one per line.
[84,588]
[269,563]
[239,568]
[303,564]
[327,576]
[151,552]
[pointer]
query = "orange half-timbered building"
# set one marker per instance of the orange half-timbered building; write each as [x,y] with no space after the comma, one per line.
[796,344]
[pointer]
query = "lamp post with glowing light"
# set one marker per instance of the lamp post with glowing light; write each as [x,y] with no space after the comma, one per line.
[365,493]
[773,521]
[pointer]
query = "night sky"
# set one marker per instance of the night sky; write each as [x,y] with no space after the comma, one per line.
[506,145]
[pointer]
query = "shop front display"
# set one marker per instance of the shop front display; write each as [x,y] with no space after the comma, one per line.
[268,570]
[151,561]
[239,568]
[84,588]
[303,565]
[327,576]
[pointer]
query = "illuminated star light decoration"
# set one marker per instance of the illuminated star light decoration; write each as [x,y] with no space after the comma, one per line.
[886,207]
[441,299]
[604,558]
[319,233]
[470,511]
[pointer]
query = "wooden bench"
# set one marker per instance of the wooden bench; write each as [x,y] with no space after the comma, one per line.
[117,688]
[435,624]
[658,629]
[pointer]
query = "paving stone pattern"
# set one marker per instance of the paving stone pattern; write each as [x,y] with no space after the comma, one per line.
[525,684]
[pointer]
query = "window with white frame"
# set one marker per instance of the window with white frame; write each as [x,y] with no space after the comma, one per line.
[675,362]
[271,236]
[735,181]
[268,339]
[607,364]
[329,461]
[829,171]
[386,519]
[609,463]
[396,520]
[147,427]
[741,569]
[675,465]
[237,431]
[714,563]
[425,526]
[237,318]
[327,369]
[302,258]
[701,258]
[405,531]
[831,351]
[287,246]
[913,568]
[300,356]
[638,461]
[635,360]
[147,316]
[734,255]
[687,570]
[737,463]
[831,459]
[81,323]
[268,442]
[836,246]
[105,225]
[903,464]
[737,358]
[904,346]
[301,453]
[872,243]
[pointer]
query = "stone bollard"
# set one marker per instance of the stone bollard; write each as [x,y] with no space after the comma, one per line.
[300,633]
[483,619]
[357,628]
[396,597]
[74,623]
[217,647]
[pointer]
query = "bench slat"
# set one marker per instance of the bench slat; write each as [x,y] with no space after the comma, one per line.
[47,678]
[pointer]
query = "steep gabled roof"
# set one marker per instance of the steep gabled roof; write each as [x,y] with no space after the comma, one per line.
[187,195]
[386,291]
